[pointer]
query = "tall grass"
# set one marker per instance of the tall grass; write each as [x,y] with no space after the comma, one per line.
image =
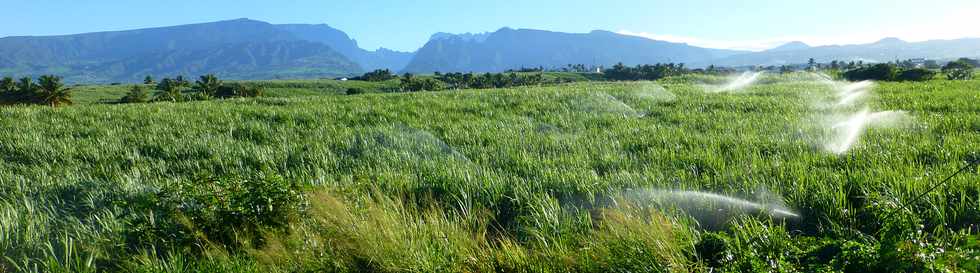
[517,180]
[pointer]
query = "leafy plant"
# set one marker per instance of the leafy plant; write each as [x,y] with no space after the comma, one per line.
[959,70]
[136,95]
[52,92]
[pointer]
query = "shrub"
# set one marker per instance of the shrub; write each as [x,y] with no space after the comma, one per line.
[414,84]
[916,75]
[620,72]
[960,69]
[379,75]
[240,90]
[354,91]
[878,72]
[136,95]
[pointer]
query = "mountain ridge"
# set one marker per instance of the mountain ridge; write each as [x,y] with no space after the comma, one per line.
[509,48]
[250,49]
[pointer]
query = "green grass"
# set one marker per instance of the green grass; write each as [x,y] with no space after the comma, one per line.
[539,179]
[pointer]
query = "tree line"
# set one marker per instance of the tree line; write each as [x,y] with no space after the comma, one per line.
[962,69]
[47,90]
[453,81]
[646,72]
[179,89]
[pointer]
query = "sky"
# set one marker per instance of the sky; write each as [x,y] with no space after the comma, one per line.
[407,25]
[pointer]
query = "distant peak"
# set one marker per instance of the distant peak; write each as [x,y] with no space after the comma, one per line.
[794,45]
[477,37]
[890,40]
[242,20]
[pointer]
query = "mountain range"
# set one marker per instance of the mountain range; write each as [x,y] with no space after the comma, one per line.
[250,49]
[885,50]
[234,49]
[516,48]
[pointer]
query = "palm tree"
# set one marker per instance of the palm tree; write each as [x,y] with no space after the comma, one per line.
[26,90]
[208,85]
[52,92]
[8,85]
[169,90]
[180,82]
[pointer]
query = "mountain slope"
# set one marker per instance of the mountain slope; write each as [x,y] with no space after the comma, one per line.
[249,60]
[130,55]
[369,60]
[510,48]
[888,49]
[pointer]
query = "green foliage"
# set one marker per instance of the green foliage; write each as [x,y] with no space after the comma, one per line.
[410,83]
[620,72]
[7,85]
[916,75]
[713,250]
[170,90]
[208,86]
[354,91]
[240,90]
[489,80]
[148,80]
[961,69]
[877,72]
[508,180]
[136,95]
[379,75]
[230,211]
[52,92]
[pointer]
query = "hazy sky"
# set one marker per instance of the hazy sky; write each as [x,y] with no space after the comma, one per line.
[406,25]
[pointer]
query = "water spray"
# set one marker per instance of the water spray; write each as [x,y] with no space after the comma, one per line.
[847,129]
[701,199]
[741,82]
[851,129]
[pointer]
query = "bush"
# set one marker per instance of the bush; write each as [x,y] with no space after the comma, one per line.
[961,69]
[878,72]
[379,75]
[620,72]
[413,84]
[135,95]
[916,75]
[354,91]
[240,91]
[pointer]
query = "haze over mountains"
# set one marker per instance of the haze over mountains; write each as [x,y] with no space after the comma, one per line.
[249,49]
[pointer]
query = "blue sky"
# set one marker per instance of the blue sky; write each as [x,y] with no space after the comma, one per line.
[406,25]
